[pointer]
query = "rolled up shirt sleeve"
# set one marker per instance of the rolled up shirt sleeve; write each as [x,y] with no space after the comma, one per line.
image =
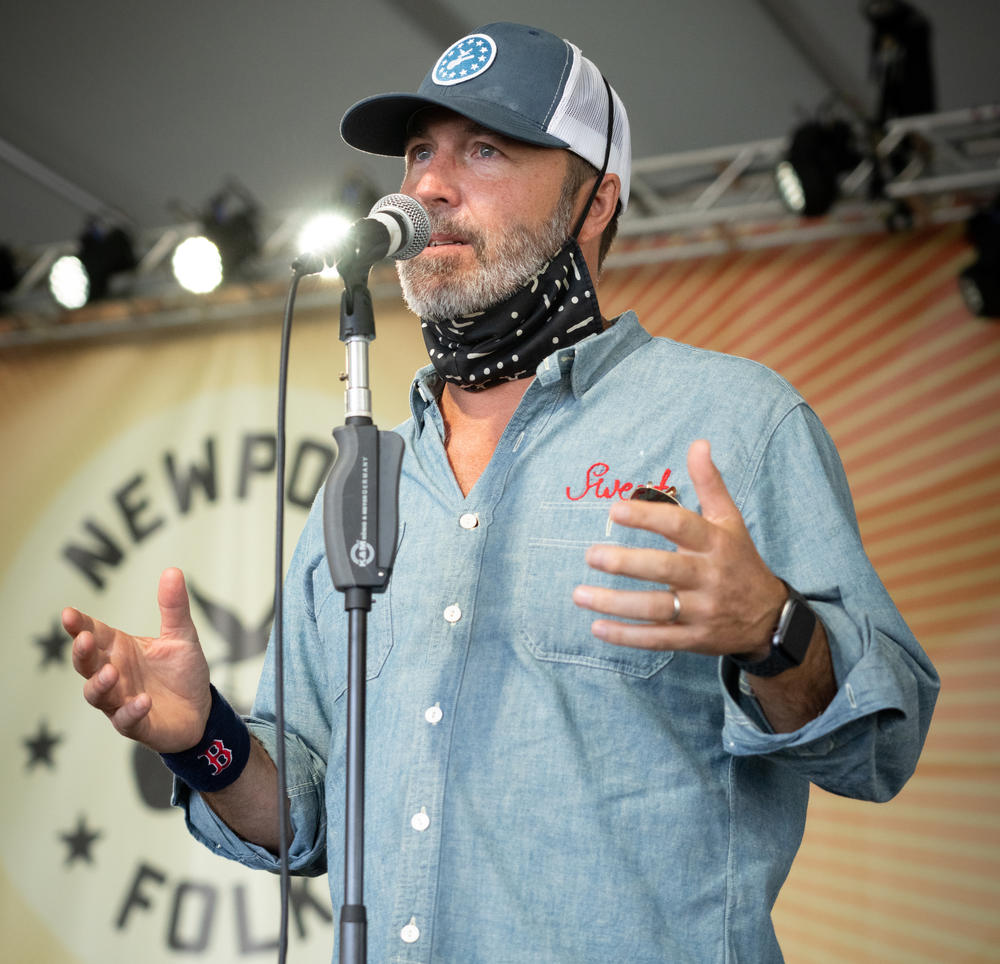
[307,846]
[867,741]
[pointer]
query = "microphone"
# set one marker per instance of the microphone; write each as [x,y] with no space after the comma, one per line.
[397,227]
[406,222]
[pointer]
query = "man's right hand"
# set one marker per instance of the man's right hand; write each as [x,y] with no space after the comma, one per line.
[155,691]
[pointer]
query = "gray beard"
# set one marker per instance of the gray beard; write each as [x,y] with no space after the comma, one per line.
[433,290]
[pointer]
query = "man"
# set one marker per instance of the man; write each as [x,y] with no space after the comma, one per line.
[543,786]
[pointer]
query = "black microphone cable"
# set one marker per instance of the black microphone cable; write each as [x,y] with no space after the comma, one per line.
[298,273]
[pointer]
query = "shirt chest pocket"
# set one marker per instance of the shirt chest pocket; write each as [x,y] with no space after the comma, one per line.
[552,627]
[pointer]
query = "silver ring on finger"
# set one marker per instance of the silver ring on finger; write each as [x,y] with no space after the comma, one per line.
[676,614]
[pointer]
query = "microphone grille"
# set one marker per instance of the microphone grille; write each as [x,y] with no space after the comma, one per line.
[418,223]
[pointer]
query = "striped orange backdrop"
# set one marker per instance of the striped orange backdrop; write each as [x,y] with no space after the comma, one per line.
[874,334]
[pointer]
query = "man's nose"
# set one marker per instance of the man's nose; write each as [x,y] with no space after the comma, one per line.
[434,185]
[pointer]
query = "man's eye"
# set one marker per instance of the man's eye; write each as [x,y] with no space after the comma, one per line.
[486,150]
[418,152]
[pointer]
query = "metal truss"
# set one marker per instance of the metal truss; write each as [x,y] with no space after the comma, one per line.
[933,169]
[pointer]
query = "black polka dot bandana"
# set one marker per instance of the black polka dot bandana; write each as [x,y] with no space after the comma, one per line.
[557,307]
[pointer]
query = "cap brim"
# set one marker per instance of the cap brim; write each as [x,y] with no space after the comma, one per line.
[378,125]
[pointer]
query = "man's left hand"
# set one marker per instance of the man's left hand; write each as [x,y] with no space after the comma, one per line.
[717,596]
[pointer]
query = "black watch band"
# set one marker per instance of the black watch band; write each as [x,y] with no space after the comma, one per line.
[789,641]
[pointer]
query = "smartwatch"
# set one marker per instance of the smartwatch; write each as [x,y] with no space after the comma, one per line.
[789,641]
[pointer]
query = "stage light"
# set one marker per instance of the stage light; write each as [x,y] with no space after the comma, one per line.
[197,265]
[979,284]
[790,187]
[353,198]
[808,179]
[228,241]
[322,233]
[103,252]
[69,282]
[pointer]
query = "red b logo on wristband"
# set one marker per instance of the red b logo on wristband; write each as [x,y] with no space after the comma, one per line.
[218,756]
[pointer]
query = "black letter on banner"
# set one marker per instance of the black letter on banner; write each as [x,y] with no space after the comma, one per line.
[303,494]
[131,510]
[185,481]
[247,943]
[135,898]
[87,559]
[248,464]
[201,940]
[300,898]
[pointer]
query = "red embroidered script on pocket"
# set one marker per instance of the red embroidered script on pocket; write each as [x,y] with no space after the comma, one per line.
[597,484]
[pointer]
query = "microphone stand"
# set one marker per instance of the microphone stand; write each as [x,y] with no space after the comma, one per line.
[360,508]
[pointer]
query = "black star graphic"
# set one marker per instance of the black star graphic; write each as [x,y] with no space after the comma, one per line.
[53,645]
[40,746]
[80,841]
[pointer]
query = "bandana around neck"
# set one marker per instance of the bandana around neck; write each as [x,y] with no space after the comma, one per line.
[508,341]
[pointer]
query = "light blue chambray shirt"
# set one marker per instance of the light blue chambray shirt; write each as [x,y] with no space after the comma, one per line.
[534,794]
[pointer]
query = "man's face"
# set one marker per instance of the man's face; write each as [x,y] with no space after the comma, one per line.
[497,210]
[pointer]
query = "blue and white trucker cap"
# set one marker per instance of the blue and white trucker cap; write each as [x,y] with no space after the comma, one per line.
[520,81]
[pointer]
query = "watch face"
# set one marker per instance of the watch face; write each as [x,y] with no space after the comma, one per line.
[790,640]
[798,631]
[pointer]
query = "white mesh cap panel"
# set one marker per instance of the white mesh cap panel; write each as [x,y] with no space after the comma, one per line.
[581,119]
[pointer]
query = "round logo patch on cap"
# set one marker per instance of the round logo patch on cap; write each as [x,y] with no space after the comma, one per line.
[466,59]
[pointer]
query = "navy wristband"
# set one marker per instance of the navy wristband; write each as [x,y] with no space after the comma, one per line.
[221,754]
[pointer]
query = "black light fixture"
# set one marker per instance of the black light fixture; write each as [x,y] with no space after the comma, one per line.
[230,222]
[822,150]
[8,269]
[9,275]
[902,68]
[900,57]
[979,284]
[229,240]
[808,178]
[103,251]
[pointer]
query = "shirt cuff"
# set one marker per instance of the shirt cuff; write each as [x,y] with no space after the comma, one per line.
[305,779]
[878,683]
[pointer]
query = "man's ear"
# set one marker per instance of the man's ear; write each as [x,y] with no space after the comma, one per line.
[603,208]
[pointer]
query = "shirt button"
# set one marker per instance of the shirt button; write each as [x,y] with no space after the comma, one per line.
[453,614]
[433,714]
[410,933]
[469,521]
[420,821]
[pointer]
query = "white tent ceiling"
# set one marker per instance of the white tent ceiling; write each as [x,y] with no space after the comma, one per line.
[134,106]
[141,112]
